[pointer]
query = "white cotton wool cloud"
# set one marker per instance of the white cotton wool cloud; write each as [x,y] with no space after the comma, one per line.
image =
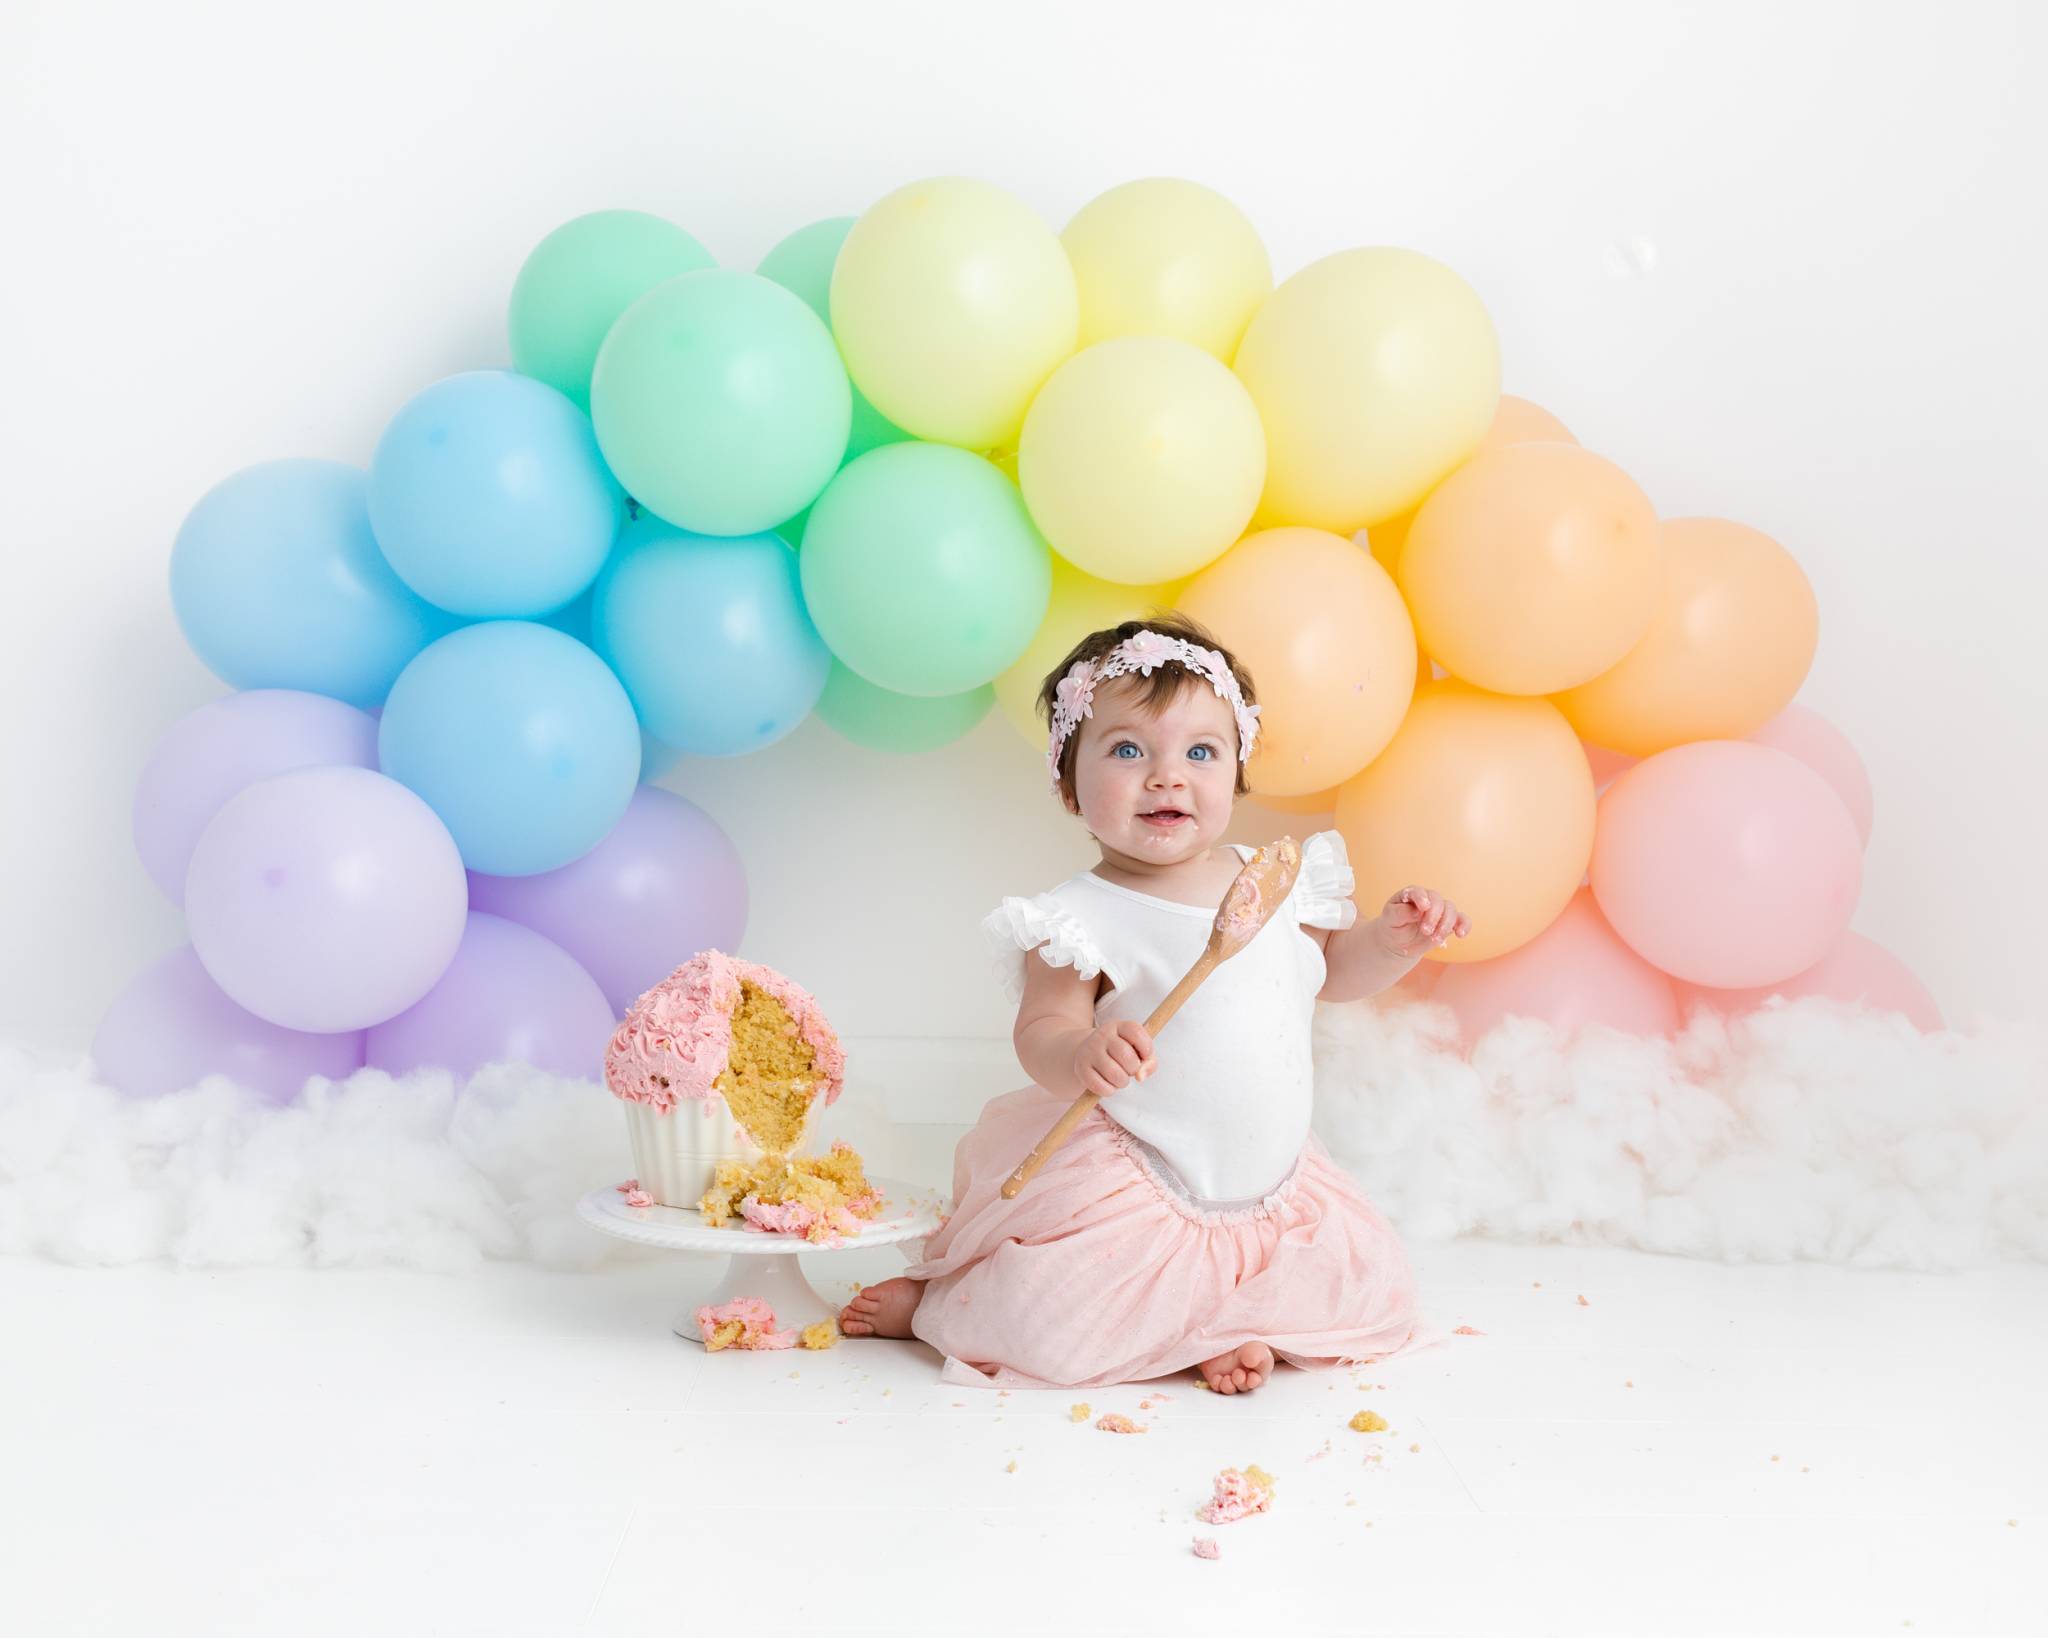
[411,1171]
[1811,1130]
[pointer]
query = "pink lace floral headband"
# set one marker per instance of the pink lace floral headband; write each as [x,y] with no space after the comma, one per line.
[1143,653]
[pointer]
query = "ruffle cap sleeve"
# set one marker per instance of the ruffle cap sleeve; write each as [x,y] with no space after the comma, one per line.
[1018,926]
[1322,892]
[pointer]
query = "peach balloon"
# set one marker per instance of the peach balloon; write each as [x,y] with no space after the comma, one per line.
[1483,797]
[1515,421]
[1729,644]
[1574,973]
[1532,568]
[1857,969]
[1726,863]
[1315,803]
[1801,731]
[1328,644]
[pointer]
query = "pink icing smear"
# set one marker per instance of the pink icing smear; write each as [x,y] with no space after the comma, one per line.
[677,1038]
[755,1315]
[1237,1497]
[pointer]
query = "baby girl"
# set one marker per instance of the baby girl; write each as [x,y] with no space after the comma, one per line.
[1192,1219]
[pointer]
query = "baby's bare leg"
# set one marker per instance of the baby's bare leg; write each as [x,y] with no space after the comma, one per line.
[882,1310]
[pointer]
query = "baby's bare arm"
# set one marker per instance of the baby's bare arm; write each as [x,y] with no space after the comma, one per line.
[1059,1043]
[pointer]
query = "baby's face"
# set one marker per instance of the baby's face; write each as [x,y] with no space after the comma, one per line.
[1158,788]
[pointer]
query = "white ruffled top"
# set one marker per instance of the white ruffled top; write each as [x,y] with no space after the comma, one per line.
[1228,1107]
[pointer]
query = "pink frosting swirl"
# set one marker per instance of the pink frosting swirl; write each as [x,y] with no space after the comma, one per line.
[677,1038]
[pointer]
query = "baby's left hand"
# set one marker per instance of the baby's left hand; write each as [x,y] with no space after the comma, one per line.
[1417,920]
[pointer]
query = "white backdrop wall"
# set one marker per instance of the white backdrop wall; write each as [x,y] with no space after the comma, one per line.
[1782,263]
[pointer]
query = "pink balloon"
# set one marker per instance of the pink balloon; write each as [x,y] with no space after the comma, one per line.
[509,996]
[1726,863]
[1801,731]
[1856,969]
[171,1028]
[1573,973]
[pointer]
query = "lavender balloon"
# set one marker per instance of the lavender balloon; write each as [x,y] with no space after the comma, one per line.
[326,898]
[509,996]
[171,1028]
[664,884]
[209,754]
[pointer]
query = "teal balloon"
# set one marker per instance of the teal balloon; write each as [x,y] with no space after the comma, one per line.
[856,709]
[577,282]
[923,571]
[277,582]
[488,496]
[710,637]
[802,264]
[521,740]
[720,402]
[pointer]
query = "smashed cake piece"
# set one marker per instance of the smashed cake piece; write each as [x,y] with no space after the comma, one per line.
[1205,1547]
[1117,1422]
[1239,1495]
[1367,1422]
[824,1334]
[822,1198]
[745,1322]
[1078,1412]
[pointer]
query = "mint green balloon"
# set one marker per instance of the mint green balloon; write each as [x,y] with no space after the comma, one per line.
[855,708]
[577,282]
[802,264]
[720,402]
[922,570]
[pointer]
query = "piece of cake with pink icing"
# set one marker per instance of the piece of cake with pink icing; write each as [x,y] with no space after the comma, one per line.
[721,1069]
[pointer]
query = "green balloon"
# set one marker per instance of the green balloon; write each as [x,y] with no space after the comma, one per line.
[577,282]
[922,570]
[720,402]
[855,708]
[802,265]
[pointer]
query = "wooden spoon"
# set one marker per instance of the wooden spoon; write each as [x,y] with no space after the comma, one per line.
[1259,889]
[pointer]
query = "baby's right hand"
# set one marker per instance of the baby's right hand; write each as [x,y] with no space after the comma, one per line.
[1112,1055]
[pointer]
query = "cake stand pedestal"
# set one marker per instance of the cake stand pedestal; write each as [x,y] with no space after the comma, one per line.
[757,1264]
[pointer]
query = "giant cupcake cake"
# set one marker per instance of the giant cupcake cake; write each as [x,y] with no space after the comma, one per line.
[721,1068]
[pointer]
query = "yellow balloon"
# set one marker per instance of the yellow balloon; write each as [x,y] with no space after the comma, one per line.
[1164,257]
[1080,604]
[1329,647]
[952,302]
[1515,421]
[1482,797]
[1730,643]
[1141,459]
[1532,568]
[1375,371]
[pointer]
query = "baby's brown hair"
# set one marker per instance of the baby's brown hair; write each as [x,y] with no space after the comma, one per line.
[1156,690]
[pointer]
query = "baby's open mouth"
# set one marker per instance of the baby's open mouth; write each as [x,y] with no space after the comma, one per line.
[1165,817]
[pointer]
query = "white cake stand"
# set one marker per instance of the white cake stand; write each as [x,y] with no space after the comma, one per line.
[757,1264]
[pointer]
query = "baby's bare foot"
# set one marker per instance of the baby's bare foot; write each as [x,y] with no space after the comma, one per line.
[1240,1369]
[882,1310]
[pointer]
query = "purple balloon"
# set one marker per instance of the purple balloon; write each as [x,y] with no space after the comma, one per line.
[665,883]
[208,755]
[171,1028]
[509,996]
[326,898]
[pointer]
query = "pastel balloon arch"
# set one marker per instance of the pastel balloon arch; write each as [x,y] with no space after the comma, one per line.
[890,476]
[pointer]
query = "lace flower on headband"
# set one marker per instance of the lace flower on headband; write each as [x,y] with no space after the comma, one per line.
[1144,653]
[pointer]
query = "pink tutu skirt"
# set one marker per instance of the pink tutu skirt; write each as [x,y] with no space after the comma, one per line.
[1105,1270]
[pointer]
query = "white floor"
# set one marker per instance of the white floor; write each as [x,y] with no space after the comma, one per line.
[1695,1448]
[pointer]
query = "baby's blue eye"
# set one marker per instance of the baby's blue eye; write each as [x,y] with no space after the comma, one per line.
[1123,746]
[1203,751]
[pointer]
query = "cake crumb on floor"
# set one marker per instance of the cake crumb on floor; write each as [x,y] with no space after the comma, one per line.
[1205,1547]
[1078,1412]
[1117,1422]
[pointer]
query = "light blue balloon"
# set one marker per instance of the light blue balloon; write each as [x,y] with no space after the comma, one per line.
[489,497]
[710,636]
[519,738]
[278,583]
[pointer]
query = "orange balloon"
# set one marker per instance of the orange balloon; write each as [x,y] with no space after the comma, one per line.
[1485,798]
[1532,569]
[1315,803]
[1730,642]
[1515,421]
[1322,630]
